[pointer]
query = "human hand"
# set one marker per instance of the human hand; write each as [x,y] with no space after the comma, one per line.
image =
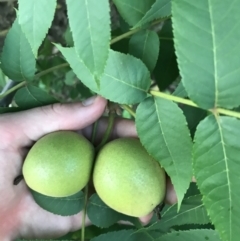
[20,216]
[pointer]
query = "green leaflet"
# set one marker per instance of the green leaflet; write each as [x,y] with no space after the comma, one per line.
[90,25]
[35,18]
[192,211]
[134,10]
[2,80]
[127,235]
[65,206]
[206,39]
[191,235]
[17,59]
[145,46]
[216,167]
[125,80]
[116,236]
[160,9]
[32,96]
[169,143]
[79,68]
[103,216]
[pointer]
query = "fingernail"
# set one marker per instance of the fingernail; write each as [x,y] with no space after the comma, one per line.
[89,101]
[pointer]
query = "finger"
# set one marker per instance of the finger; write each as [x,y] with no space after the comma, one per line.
[171,197]
[146,219]
[36,222]
[30,125]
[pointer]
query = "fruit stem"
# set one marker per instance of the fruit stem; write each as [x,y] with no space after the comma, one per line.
[94,131]
[84,213]
[129,110]
[108,131]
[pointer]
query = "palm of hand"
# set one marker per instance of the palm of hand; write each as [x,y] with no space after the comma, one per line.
[19,214]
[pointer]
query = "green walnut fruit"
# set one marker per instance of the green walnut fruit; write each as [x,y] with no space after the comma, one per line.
[59,164]
[128,179]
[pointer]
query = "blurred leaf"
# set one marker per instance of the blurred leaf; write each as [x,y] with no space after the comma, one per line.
[126,79]
[216,167]
[103,216]
[116,236]
[134,10]
[31,96]
[127,235]
[9,109]
[68,37]
[17,59]
[206,54]
[169,143]
[2,80]
[91,32]
[166,70]
[79,68]
[65,206]
[180,91]
[160,9]
[46,48]
[145,46]
[190,235]
[31,19]
[192,211]
[70,78]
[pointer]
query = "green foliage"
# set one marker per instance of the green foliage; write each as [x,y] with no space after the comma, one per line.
[196,235]
[17,59]
[160,9]
[64,206]
[216,165]
[31,19]
[103,216]
[31,96]
[86,32]
[192,211]
[206,53]
[145,46]
[125,80]
[151,54]
[133,11]
[173,155]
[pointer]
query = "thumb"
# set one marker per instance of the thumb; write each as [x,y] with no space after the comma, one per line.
[32,124]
